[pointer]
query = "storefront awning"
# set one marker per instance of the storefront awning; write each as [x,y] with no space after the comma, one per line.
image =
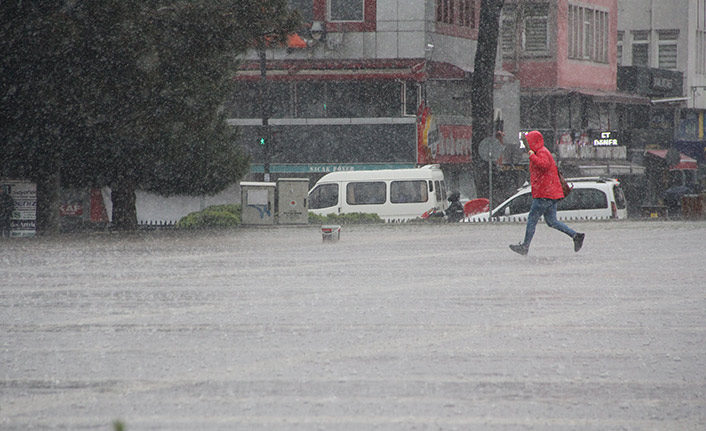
[339,70]
[599,96]
[685,161]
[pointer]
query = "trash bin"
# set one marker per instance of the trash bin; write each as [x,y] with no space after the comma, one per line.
[330,233]
[292,205]
[257,202]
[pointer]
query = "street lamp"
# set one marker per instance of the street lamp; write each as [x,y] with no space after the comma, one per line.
[318,31]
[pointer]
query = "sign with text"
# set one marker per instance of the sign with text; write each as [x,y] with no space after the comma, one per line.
[442,143]
[24,213]
[606,139]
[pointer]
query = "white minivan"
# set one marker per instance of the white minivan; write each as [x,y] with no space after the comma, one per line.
[393,194]
[591,198]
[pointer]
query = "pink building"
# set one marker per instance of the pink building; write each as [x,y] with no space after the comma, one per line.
[564,54]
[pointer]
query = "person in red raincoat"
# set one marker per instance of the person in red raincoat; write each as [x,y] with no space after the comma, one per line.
[546,193]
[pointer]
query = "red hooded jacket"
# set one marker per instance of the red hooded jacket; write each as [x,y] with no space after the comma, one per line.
[544,176]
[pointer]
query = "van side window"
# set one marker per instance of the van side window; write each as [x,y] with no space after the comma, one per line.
[583,199]
[438,191]
[323,196]
[408,191]
[443,191]
[366,193]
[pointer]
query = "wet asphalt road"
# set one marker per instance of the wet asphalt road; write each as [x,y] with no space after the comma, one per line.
[414,327]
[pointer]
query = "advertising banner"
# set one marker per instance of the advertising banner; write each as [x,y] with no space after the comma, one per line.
[24,194]
[442,143]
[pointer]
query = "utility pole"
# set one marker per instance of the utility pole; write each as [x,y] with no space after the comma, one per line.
[266,132]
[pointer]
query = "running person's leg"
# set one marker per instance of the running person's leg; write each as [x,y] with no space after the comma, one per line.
[553,222]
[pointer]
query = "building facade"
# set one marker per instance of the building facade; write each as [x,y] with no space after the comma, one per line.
[368,84]
[656,39]
[564,54]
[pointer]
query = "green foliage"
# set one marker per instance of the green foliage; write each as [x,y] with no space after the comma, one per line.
[216,216]
[118,425]
[351,218]
[127,93]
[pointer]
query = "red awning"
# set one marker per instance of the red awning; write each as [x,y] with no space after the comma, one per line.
[378,69]
[685,162]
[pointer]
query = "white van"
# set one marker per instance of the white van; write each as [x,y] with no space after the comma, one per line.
[393,194]
[591,198]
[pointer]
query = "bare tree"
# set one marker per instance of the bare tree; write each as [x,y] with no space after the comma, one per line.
[482,86]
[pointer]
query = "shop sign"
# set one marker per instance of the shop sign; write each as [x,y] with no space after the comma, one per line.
[442,143]
[71,209]
[606,139]
[24,213]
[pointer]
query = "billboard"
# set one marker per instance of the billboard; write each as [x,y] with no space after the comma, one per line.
[23,222]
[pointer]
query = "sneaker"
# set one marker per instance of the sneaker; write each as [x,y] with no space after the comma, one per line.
[519,249]
[578,241]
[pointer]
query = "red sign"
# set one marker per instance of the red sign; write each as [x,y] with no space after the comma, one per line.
[442,143]
[72,209]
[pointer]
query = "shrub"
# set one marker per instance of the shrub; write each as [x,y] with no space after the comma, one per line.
[215,216]
[351,218]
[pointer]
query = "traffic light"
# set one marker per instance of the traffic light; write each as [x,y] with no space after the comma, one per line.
[262,141]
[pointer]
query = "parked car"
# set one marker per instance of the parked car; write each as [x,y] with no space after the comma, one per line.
[591,198]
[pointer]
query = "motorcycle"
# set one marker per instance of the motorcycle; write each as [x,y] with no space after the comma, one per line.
[452,214]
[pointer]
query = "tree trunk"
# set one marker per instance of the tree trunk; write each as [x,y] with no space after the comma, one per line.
[482,88]
[48,201]
[124,209]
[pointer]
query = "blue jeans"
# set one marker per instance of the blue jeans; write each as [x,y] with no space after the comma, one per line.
[547,208]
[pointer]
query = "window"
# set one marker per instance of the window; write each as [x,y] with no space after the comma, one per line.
[369,193]
[348,99]
[700,39]
[304,7]
[533,31]
[408,191]
[588,34]
[620,48]
[342,15]
[324,196]
[640,48]
[456,17]
[535,34]
[583,199]
[507,36]
[466,13]
[520,205]
[346,10]
[456,12]
[667,49]
[412,96]
[311,100]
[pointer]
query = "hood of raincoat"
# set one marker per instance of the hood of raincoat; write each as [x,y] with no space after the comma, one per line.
[535,140]
[543,173]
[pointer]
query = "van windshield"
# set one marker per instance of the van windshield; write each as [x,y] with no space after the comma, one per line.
[323,196]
